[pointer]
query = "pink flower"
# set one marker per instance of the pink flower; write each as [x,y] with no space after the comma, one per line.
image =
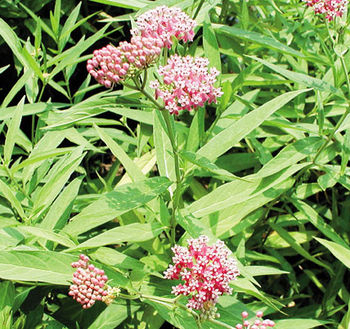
[89,284]
[205,270]
[164,23]
[259,323]
[187,83]
[331,8]
[111,65]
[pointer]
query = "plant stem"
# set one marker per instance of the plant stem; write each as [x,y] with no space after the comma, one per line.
[224,7]
[198,9]
[144,80]
[160,107]
[224,325]
[176,198]
[172,138]
[343,117]
[346,73]
[33,116]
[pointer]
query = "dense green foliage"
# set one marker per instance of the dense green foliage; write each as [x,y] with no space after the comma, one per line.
[89,169]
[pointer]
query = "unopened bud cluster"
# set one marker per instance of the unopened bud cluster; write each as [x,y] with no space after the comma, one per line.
[164,23]
[259,323]
[187,83]
[111,64]
[206,272]
[330,8]
[89,283]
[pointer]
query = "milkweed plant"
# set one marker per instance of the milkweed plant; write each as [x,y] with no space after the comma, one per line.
[179,164]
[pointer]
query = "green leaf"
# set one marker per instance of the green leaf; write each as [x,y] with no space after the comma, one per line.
[245,286]
[67,27]
[114,314]
[38,159]
[340,252]
[61,172]
[296,246]
[117,259]
[318,221]
[345,155]
[12,132]
[210,44]
[135,232]
[28,109]
[256,38]
[131,168]
[7,296]
[301,78]
[46,234]
[21,53]
[238,191]
[36,266]
[131,4]
[263,270]
[177,317]
[10,195]
[71,55]
[165,159]
[16,88]
[223,141]
[116,203]
[208,165]
[4,68]
[196,132]
[60,210]
[299,323]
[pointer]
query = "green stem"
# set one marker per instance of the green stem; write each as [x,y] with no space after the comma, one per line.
[223,11]
[343,117]
[210,130]
[160,107]
[160,299]
[144,80]
[33,116]
[198,9]
[171,134]
[176,199]
[224,325]
[346,73]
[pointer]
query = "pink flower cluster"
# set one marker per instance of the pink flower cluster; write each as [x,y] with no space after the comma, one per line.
[331,8]
[113,64]
[259,323]
[164,23]
[188,83]
[154,31]
[89,283]
[206,270]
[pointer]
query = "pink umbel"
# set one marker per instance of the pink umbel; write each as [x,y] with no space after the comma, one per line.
[111,65]
[164,23]
[331,8]
[206,272]
[89,283]
[259,323]
[187,83]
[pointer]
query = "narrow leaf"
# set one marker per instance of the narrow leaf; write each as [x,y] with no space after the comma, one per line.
[116,203]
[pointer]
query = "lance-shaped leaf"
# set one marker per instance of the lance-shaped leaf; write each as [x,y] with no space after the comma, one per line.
[116,203]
